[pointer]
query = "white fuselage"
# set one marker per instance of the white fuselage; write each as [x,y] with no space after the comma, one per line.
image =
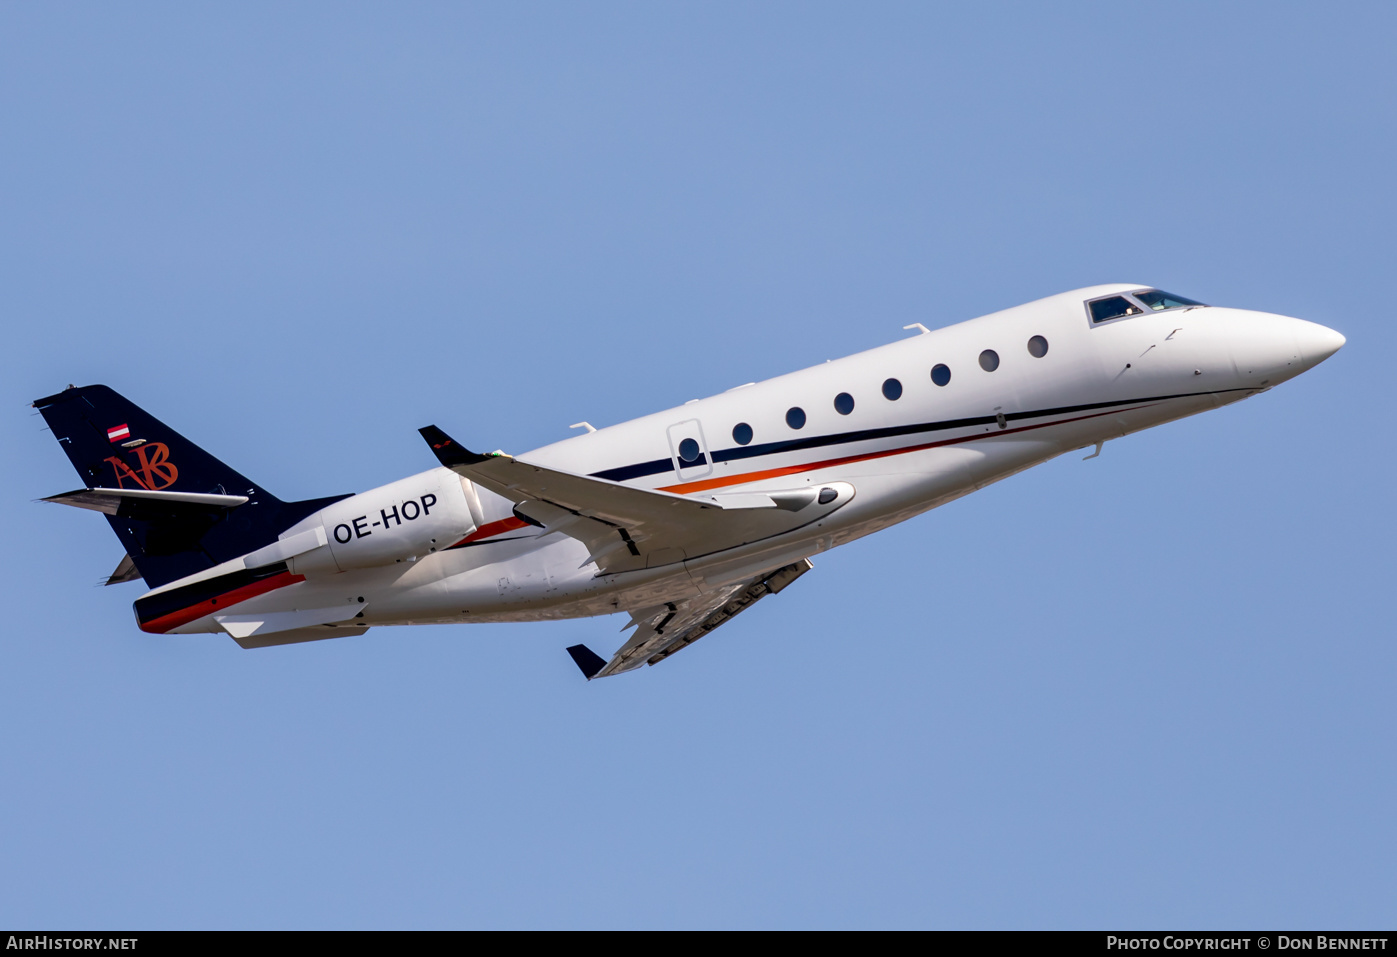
[468,558]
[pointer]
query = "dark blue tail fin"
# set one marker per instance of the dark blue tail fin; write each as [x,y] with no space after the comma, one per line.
[115,444]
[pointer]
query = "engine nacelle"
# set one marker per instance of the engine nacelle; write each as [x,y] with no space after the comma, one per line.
[398,522]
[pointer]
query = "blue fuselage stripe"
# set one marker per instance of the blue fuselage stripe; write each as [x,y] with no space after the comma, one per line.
[655,467]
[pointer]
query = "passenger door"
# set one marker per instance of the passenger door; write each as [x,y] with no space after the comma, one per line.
[689,451]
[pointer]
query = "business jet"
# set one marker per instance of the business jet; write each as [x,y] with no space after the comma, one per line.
[682,519]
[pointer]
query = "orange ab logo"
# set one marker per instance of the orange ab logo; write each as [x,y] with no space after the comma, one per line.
[154,471]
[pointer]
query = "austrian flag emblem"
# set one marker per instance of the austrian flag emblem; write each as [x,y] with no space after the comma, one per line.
[118,433]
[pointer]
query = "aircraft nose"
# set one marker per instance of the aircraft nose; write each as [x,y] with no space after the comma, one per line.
[1268,349]
[1316,342]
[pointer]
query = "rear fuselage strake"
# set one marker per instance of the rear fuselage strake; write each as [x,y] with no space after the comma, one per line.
[1025,385]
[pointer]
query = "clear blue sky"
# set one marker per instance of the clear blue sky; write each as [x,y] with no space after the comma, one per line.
[1150,690]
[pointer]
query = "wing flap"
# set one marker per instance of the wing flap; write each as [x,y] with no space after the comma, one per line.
[742,599]
[669,628]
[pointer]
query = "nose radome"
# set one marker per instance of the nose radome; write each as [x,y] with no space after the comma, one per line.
[1267,349]
[1316,342]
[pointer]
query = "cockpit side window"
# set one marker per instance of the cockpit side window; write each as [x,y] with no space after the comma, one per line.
[1113,308]
[1159,300]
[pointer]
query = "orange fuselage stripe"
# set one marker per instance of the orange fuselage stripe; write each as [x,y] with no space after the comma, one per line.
[493,528]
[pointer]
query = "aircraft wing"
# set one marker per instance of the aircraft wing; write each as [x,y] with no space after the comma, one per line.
[626,528]
[665,629]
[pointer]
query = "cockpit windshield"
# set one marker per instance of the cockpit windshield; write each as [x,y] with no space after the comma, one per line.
[1158,300]
[1113,308]
[1136,303]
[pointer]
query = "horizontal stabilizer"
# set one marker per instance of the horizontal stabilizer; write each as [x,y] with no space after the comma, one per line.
[298,635]
[176,509]
[587,660]
[125,572]
[138,502]
[245,626]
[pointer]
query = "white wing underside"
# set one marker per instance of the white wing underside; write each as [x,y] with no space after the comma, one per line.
[662,630]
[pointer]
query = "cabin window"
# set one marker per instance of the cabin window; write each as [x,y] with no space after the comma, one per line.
[940,374]
[1113,308]
[844,403]
[795,417]
[689,452]
[1159,300]
[989,360]
[742,433]
[1038,347]
[892,390]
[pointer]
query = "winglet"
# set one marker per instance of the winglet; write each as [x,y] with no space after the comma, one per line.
[447,450]
[587,660]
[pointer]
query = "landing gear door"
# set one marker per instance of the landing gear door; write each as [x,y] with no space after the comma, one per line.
[689,450]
